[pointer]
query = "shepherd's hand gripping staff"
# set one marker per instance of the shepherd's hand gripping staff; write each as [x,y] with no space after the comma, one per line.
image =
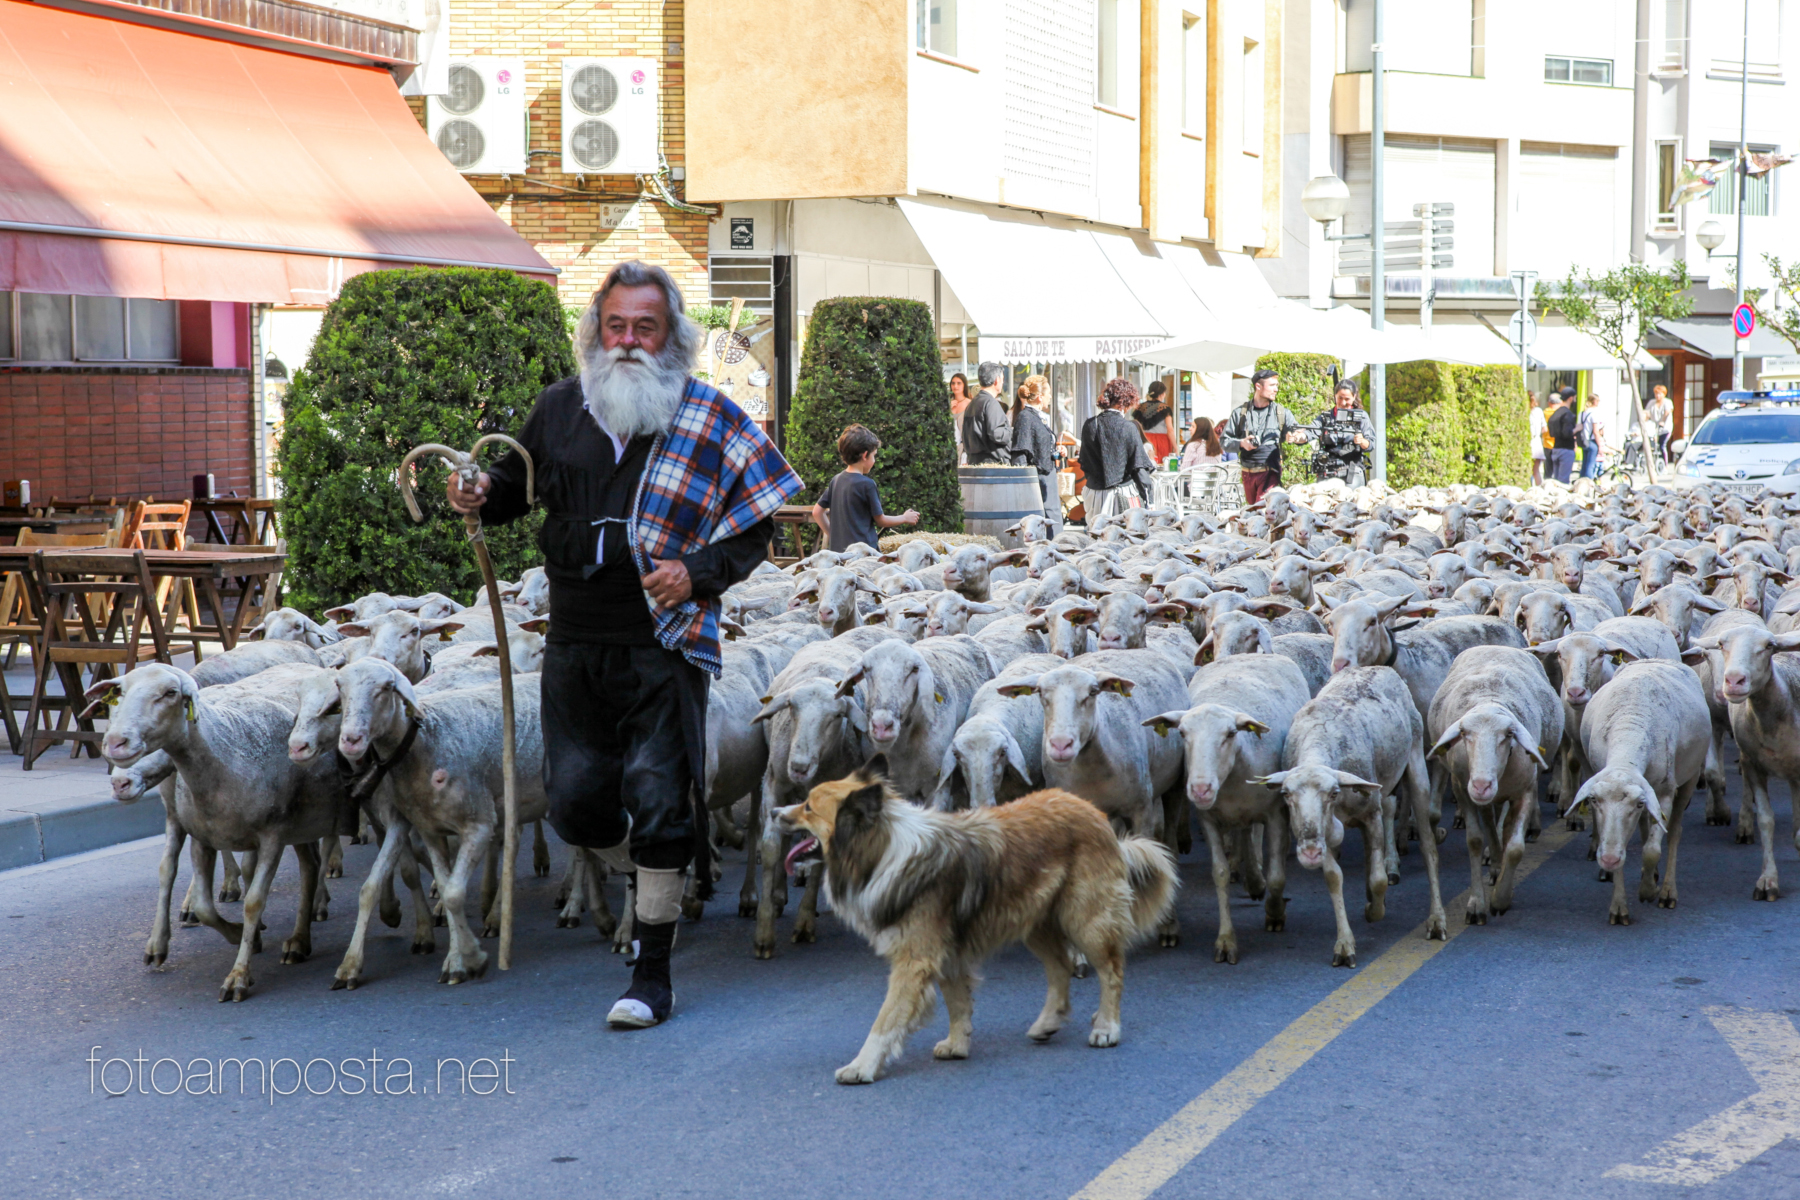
[469,470]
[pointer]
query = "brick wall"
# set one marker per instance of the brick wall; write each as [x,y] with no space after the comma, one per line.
[564,226]
[129,431]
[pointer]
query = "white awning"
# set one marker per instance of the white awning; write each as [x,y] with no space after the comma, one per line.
[1039,291]
[1565,348]
[1714,337]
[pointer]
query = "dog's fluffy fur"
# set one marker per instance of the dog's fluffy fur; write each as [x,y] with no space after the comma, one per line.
[936,893]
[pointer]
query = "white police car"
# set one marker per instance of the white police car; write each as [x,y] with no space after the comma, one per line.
[1751,441]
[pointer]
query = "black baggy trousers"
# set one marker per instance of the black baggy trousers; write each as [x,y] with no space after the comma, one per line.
[623,729]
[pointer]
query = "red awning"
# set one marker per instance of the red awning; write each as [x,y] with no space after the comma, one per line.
[143,162]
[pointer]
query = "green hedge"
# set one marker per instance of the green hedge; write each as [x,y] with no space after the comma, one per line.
[874,361]
[405,357]
[1424,427]
[1496,425]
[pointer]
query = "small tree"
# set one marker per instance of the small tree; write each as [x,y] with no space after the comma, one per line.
[404,357]
[874,361]
[1619,309]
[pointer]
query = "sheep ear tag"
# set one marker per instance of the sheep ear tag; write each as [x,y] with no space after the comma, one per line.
[938,696]
[191,714]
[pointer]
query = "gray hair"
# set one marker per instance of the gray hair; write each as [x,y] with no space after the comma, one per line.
[684,335]
[989,373]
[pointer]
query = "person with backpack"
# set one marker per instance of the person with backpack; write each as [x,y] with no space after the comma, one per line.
[1559,423]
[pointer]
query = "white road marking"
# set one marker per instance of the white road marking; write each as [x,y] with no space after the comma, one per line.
[1770,1050]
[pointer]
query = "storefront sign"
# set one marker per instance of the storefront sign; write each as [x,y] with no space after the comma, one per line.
[743,233]
[1063,350]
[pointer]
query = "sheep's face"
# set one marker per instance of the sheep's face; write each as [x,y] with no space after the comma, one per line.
[149,708]
[1070,697]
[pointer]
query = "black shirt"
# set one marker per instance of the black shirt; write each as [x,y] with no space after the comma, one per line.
[1151,415]
[587,493]
[1562,428]
[986,435]
[853,501]
[1113,453]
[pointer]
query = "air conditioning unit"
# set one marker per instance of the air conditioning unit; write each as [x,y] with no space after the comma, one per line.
[479,123]
[609,118]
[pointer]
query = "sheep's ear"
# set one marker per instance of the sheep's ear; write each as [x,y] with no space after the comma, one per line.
[254,633]
[491,650]
[847,685]
[353,629]
[1169,611]
[1249,724]
[1450,738]
[1693,656]
[1162,723]
[535,625]
[441,626]
[1547,649]
[731,629]
[1204,654]
[1268,609]
[340,612]
[771,706]
[1024,687]
[1115,684]
[1014,558]
[1271,781]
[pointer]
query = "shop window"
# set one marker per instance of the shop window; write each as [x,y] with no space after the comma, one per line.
[937,26]
[44,328]
[1596,72]
[1757,188]
[1193,72]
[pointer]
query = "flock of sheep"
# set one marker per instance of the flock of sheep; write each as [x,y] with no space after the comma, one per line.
[1327,659]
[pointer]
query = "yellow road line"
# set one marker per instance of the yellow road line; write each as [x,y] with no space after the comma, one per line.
[1179,1140]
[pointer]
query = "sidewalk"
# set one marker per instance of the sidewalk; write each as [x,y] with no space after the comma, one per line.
[62,805]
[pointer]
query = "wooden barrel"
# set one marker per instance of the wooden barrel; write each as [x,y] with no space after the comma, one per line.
[995,497]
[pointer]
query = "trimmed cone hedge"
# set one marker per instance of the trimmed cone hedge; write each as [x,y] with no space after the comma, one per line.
[1496,425]
[405,357]
[874,361]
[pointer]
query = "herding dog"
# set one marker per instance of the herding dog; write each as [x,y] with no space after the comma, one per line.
[936,893]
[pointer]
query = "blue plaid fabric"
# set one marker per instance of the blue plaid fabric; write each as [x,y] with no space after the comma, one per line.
[712,475]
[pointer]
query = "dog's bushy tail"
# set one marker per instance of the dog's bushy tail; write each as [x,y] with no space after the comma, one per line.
[1150,869]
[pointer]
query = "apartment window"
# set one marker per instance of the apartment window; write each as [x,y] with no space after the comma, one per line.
[937,26]
[1253,97]
[1193,72]
[38,327]
[1693,404]
[1758,195]
[1765,40]
[750,278]
[1674,35]
[1106,88]
[1595,72]
[1668,169]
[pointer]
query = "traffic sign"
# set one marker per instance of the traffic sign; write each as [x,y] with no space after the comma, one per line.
[1521,331]
[1743,320]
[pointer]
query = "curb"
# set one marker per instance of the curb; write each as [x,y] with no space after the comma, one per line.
[32,837]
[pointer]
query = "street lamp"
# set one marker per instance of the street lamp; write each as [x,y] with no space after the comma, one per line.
[1325,198]
[1710,235]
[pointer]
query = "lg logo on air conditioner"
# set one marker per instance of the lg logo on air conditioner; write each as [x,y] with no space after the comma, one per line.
[503,77]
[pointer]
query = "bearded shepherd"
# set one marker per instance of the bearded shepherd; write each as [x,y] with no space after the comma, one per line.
[936,893]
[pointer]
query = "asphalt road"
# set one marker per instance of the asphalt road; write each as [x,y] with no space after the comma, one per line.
[1527,1059]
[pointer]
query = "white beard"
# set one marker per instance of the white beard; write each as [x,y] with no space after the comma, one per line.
[632,393]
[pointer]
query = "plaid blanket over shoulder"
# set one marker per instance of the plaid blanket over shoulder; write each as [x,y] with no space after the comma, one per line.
[713,474]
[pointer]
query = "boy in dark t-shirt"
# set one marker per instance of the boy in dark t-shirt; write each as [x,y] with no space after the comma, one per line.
[849,510]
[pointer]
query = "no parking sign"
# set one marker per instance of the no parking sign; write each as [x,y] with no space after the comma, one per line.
[1743,320]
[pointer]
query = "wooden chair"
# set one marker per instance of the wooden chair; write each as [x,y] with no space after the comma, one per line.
[164,527]
[63,581]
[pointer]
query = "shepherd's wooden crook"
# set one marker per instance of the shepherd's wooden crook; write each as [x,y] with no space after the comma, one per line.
[469,471]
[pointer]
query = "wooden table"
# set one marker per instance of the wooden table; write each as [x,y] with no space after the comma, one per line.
[51,524]
[252,520]
[795,517]
[208,568]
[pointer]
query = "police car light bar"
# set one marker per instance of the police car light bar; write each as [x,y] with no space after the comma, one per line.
[1740,399]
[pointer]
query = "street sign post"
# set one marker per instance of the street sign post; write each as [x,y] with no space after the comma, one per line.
[1743,320]
[1521,331]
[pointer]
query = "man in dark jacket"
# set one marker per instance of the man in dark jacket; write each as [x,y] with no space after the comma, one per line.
[987,439]
[659,494]
[1256,431]
[1561,424]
